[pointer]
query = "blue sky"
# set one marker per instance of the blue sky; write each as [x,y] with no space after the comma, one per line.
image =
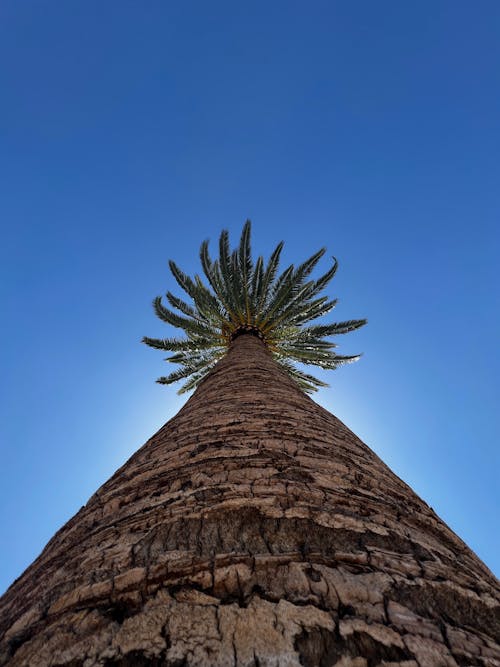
[131,131]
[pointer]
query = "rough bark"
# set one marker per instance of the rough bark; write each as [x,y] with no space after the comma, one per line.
[253,529]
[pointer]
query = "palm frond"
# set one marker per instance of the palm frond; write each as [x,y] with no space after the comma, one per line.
[179,344]
[188,324]
[245,266]
[268,279]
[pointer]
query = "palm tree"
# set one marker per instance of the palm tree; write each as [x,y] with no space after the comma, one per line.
[253,529]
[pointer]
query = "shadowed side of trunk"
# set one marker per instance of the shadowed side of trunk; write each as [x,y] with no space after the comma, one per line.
[253,529]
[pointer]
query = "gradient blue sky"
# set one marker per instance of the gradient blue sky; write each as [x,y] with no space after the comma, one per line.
[131,131]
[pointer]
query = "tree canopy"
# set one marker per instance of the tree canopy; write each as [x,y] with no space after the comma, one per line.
[247,297]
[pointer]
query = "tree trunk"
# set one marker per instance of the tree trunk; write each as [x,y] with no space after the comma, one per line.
[253,529]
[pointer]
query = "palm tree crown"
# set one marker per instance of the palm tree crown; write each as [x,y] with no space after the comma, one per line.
[253,299]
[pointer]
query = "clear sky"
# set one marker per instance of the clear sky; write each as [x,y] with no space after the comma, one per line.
[131,131]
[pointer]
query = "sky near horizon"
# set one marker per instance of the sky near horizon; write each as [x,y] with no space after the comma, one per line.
[130,132]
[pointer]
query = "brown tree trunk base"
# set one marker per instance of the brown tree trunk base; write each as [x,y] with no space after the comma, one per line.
[254,529]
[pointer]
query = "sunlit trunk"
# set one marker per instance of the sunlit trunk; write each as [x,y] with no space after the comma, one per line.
[253,529]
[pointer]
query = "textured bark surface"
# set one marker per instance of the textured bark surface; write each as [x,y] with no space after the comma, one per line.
[253,529]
